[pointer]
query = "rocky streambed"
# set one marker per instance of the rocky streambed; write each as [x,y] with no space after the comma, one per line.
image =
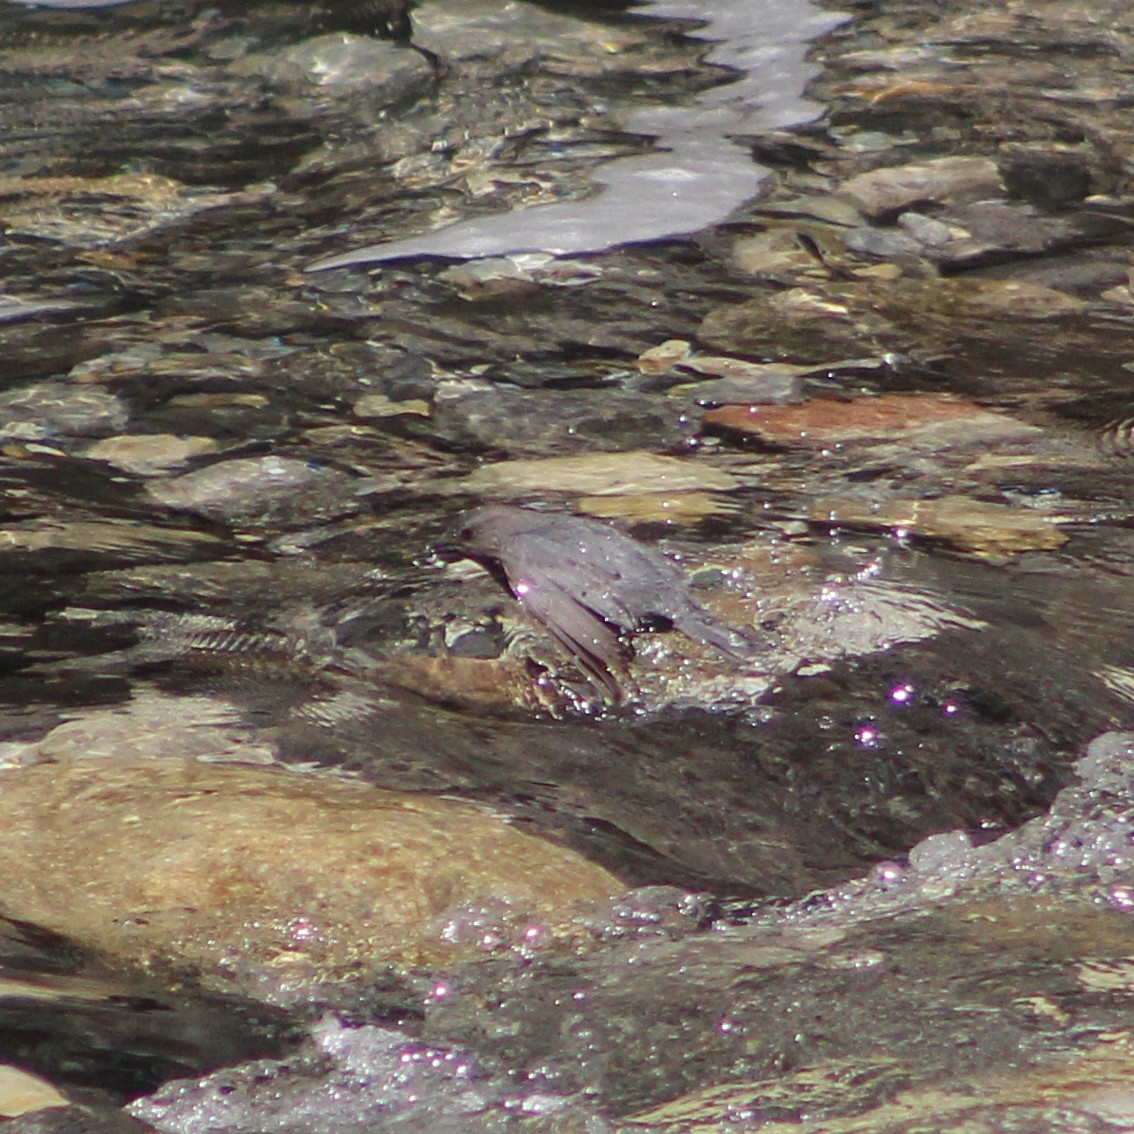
[311,822]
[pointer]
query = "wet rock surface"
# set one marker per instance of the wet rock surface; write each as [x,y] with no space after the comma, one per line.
[230,882]
[880,420]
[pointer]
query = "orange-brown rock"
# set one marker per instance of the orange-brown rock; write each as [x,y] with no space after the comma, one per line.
[936,419]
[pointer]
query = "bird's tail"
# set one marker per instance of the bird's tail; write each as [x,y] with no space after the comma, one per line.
[735,643]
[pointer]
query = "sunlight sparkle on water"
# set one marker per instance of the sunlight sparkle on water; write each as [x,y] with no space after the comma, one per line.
[868,735]
[1122,897]
[888,874]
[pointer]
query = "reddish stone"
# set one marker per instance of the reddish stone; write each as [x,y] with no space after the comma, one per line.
[824,422]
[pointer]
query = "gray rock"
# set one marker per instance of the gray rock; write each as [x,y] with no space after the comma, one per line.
[260,489]
[925,230]
[544,422]
[342,62]
[50,408]
[895,188]
[886,244]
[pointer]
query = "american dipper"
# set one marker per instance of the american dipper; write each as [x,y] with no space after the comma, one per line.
[585,581]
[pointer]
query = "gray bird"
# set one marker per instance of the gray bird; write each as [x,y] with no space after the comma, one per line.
[585,581]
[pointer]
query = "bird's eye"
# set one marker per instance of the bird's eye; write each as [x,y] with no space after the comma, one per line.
[465,534]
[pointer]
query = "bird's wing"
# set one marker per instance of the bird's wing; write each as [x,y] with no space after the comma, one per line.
[585,636]
[584,576]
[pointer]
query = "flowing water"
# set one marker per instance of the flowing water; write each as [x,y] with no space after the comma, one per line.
[281,302]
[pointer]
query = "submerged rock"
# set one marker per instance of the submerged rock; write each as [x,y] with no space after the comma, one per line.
[67,545]
[24,1093]
[658,507]
[599,474]
[923,420]
[344,62]
[51,409]
[896,188]
[543,422]
[993,532]
[96,212]
[261,490]
[264,881]
[150,454]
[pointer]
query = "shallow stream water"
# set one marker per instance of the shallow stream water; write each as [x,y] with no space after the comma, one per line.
[872,399]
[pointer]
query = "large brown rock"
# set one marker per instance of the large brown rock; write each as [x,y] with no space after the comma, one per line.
[265,880]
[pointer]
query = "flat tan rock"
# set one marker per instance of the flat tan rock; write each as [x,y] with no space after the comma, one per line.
[263,880]
[24,1093]
[150,454]
[658,507]
[109,538]
[988,531]
[599,474]
[663,357]
[128,205]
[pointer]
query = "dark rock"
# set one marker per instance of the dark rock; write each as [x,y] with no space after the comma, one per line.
[1047,176]
[389,18]
[556,421]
